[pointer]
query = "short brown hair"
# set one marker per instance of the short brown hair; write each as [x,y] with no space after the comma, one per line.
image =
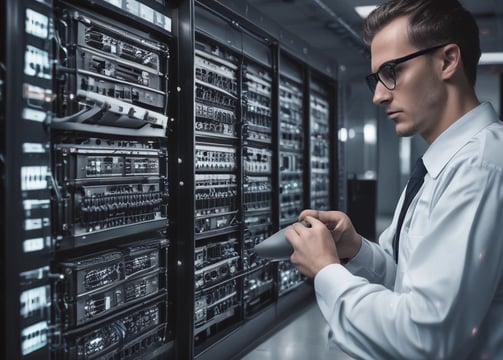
[432,22]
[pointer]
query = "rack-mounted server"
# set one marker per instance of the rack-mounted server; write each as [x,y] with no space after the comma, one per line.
[110,178]
[95,93]
[217,256]
[257,119]
[89,120]
[320,148]
[292,146]
[27,210]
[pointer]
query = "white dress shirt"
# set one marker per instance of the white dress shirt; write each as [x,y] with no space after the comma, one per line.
[444,299]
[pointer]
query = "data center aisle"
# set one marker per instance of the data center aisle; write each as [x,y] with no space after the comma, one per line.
[303,338]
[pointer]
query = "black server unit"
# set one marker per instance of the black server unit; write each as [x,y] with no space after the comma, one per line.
[234,176]
[87,183]
[262,124]
[217,256]
[110,173]
[320,132]
[147,147]
[27,100]
[292,154]
[259,212]
[361,206]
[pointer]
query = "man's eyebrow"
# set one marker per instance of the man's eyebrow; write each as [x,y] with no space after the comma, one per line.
[389,62]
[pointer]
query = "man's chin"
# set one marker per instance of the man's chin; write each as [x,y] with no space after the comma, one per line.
[403,131]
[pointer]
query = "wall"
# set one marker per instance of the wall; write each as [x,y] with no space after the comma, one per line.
[488,86]
[359,132]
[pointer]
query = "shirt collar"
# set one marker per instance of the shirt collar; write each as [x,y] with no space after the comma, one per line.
[456,136]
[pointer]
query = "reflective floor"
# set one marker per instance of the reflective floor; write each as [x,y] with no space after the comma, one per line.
[306,337]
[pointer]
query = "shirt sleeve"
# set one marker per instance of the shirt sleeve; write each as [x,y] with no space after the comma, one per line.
[452,275]
[374,264]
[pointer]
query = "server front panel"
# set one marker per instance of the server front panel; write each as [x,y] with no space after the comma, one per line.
[110,174]
[320,147]
[217,256]
[93,122]
[93,178]
[292,143]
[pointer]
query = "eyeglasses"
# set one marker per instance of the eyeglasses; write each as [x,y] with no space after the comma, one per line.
[386,73]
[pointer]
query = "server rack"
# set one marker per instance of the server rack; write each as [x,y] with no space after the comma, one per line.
[26,210]
[284,139]
[217,178]
[320,146]
[87,180]
[111,181]
[293,122]
[148,146]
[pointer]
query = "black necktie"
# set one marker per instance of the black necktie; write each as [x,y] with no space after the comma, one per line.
[415,182]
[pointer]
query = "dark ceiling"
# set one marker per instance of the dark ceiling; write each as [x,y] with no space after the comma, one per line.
[333,27]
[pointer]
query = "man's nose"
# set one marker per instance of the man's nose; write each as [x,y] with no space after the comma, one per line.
[382,95]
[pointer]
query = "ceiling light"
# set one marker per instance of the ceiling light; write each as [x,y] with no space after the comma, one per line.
[364,11]
[491,58]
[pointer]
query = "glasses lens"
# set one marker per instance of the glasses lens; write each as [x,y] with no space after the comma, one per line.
[387,76]
[372,82]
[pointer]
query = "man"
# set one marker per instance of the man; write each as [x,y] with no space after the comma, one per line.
[432,288]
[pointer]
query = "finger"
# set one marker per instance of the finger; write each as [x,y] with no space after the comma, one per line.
[332,219]
[327,217]
[299,228]
[308,212]
[313,221]
[291,235]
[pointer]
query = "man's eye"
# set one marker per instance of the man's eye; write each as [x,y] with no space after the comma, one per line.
[388,72]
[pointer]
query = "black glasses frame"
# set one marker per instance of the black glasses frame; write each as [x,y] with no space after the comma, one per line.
[374,78]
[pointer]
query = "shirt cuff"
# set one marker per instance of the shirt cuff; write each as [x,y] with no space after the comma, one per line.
[330,281]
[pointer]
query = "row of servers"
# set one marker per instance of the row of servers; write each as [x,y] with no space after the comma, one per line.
[147,147]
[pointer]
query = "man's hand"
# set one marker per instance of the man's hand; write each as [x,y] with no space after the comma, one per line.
[313,246]
[347,240]
[330,238]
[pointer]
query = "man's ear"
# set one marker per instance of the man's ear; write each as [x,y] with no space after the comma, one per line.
[451,56]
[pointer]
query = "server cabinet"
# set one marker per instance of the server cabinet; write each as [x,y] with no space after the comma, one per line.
[263,116]
[111,180]
[235,91]
[26,206]
[320,146]
[292,153]
[147,147]
[259,177]
[87,183]
[217,183]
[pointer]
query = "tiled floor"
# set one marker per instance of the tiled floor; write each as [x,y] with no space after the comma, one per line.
[306,337]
